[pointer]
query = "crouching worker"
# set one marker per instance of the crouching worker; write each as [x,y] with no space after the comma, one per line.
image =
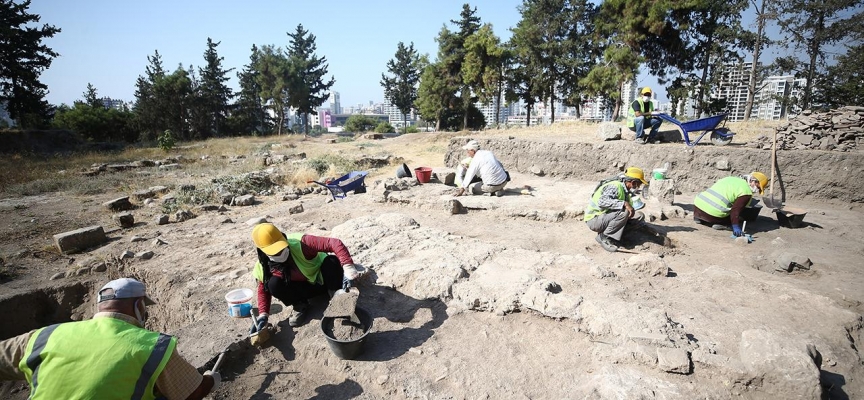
[728,202]
[611,208]
[295,268]
[110,356]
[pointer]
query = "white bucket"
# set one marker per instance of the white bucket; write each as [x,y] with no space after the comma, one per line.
[239,303]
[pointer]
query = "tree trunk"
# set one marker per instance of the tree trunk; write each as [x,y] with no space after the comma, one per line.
[528,120]
[700,105]
[757,50]
[815,44]
[552,105]
[281,122]
[404,123]
[465,105]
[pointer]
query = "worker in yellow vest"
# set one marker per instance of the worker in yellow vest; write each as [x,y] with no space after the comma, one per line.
[639,116]
[110,356]
[728,202]
[295,268]
[611,208]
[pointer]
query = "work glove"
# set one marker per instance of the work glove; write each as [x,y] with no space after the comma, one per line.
[217,379]
[736,230]
[350,272]
[261,321]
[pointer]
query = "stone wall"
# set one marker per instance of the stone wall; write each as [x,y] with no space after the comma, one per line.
[801,174]
[839,130]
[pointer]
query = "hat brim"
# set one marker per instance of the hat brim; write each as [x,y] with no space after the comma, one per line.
[469,148]
[275,248]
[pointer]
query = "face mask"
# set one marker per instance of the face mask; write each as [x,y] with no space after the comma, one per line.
[280,258]
[646,98]
[755,189]
[142,316]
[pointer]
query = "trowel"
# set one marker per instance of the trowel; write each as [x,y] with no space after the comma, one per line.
[259,335]
[344,303]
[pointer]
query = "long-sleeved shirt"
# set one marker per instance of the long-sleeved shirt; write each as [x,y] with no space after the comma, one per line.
[609,198]
[311,246]
[488,167]
[177,381]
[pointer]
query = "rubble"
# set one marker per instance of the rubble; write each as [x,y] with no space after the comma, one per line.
[841,130]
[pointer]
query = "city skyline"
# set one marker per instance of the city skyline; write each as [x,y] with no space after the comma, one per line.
[107,43]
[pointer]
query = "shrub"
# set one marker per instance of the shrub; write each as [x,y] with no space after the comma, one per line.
[412,129]
[385,127]
[166,140]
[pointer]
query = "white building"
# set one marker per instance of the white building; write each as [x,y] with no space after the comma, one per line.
[769,103]
[110,103]
[395,115]
[334,104]
[490,109]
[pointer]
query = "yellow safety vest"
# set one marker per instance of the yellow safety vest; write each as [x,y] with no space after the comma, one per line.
[718,199]
[631,114]
[311,269]
[101,358]
[594,210]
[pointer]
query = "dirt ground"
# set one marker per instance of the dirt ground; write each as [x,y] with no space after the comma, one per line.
[511,299]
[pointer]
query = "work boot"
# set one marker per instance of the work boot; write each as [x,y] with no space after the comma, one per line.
[298,316]
[605,243]
[499,193]
[720,227]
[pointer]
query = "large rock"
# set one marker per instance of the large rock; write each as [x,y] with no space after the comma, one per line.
[119,204]
[609,131]
[783,370]
[79,239]
[673,360]
[246,200]
[125,219]
[662,190]
[648,264]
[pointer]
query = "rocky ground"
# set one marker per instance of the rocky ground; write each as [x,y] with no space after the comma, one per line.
[508,297]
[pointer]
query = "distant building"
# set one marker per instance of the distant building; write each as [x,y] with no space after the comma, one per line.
[396,118]
[334,104]
[5,119]
[116,104]
[324,116]
[489,111]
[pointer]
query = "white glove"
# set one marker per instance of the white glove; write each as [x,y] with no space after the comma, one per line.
[350,272]
[217,378]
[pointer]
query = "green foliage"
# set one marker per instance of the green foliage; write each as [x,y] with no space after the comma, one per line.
[411,129]
[91,120]
[24,58]
[213,92]
[400,89]
[274,76]
[843,83]
[308,89]
[166,140]
[454,119]
[325,163]
[385,127]
[360,123]
[249,114]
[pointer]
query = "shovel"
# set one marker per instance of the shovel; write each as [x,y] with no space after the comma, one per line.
[771,202]
[344,303]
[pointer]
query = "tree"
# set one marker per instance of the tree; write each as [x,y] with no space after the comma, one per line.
[91,97]
[274,74]
[452,54]
[759,40]
[149,113]
[308,90]
[384,127]
[811,26]
[483,66]
[400,89]
[214,92]
[174,95]
[91,120]
[360,123]
[249,114]
[435,94]
[581,52]
[24,58]
[843,83]
[620,65]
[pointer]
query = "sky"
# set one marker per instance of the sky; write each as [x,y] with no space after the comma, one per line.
[106,43]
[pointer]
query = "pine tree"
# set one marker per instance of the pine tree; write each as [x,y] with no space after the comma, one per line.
[249,110]
[400,89]
[308,90]
[91,97]
[24,58]
[453,49]
[214,92]
[148,113]
[274,75]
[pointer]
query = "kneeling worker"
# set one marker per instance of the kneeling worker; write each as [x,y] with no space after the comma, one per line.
[611,207]
[493,177]
[111,356]
[295,268]
[727,202]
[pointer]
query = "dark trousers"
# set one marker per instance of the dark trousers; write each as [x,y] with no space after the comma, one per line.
[296,293]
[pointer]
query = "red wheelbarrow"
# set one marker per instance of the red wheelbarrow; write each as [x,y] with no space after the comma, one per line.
[352,181]
[719,136]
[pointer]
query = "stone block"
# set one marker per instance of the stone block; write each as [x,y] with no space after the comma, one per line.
[79,239]
[784,368]
[141,195]
[609,131]
[246,200]
[722,164]
[162,219]
[374,136]
[125,220]
[183,215]
[145,255]
[537,171]
[119,204]
[454,207]
[649,338]
[59,275]
[290,197]
[158,189]
[168,167]
[787,261]
[803,139]
[676,361]
[662,190]
[297,209]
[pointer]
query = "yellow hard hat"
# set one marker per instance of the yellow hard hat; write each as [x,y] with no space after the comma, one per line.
[635,173]
[763,180]
[268,238]
[645,89]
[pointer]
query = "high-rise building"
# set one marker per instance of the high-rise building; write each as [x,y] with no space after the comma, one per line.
[113,103]
[489,111]
[395,115]
[770,102]
[335,105]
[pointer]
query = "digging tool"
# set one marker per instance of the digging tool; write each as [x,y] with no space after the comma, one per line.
[771,202]
[219,360]
[344,303]
[259,335]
